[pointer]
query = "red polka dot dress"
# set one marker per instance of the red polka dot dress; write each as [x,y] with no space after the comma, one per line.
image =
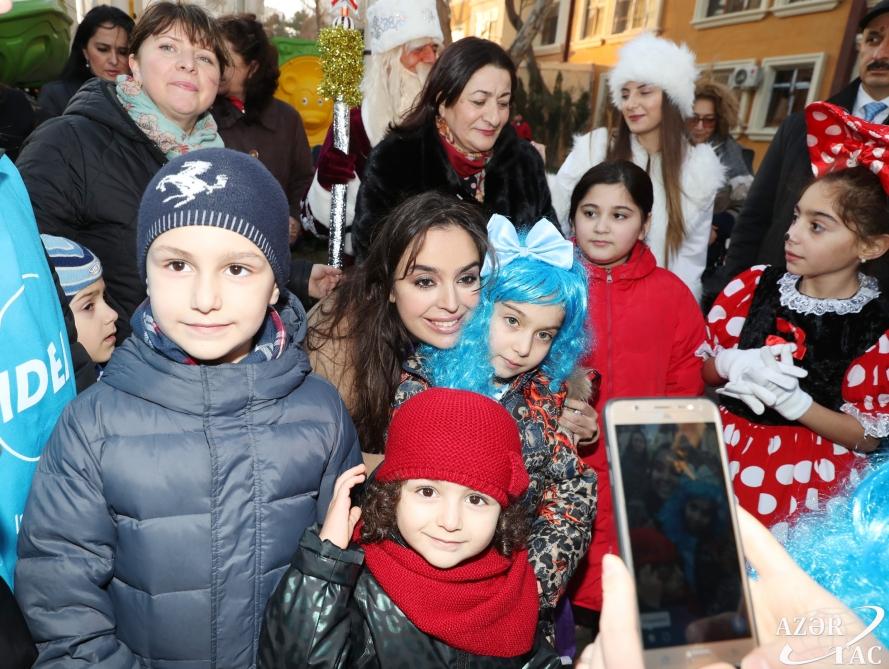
[778,467]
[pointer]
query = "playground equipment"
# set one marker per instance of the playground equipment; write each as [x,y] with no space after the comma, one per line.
[34,42]
[298,85]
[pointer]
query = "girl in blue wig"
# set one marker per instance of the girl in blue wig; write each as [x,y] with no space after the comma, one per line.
[520,346]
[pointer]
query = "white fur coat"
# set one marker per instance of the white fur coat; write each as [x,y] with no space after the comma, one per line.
[702,177]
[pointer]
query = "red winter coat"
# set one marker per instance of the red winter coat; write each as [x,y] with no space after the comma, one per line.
[646,328]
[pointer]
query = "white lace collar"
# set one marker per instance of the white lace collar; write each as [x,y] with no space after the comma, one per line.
[803,304]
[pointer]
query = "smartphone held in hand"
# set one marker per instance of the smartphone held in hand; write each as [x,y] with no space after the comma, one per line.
[674,508]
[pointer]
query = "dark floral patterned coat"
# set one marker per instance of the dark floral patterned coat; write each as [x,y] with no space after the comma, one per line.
[562,493]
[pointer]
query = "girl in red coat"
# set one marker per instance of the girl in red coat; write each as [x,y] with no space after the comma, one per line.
[646,328]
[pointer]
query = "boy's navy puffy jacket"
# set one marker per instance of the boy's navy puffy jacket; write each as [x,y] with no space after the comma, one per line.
[168,503]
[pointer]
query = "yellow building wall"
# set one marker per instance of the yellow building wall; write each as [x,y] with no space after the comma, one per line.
[772,36]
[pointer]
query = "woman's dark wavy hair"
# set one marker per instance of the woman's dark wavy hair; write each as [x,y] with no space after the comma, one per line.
[249,40]
[381,501]
[193,20]
[623,172]
[361,313]
[449,77]
[101,15]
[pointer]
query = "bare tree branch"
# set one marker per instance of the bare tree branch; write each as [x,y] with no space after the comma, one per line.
[515,20]
[444,18]
[521,46]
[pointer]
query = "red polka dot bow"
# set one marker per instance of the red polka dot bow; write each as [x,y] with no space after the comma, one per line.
[837,140]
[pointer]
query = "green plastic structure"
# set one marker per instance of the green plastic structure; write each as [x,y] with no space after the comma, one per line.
[35,39]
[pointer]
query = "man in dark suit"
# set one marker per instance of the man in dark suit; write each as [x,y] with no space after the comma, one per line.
[758,235]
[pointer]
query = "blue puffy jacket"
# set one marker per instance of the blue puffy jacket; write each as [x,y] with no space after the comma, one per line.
[168,503]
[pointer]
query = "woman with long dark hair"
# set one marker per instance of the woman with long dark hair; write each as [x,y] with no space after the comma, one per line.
[652,86]
[252,120]
[419,282]
[457,139]
[99,49]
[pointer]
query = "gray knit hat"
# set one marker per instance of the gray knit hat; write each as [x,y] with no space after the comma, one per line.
[76,266]
[220,188]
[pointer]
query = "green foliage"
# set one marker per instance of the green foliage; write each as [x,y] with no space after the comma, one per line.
[554,116]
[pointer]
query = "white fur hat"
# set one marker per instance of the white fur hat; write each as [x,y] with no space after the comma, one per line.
[654,60]
[392,23]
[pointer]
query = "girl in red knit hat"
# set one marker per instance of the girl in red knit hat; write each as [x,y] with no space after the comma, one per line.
[432,570]
[519,347]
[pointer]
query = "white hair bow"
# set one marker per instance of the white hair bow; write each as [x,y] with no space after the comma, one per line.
[543,242]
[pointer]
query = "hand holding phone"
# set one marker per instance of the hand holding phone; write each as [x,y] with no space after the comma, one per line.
[782,592]
[677,531]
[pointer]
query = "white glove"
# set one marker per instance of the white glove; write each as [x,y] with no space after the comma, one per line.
[757,364]
[748,393]
[774,384]
[731,363]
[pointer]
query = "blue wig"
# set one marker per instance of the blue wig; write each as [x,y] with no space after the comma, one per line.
[845,546]
[467,365]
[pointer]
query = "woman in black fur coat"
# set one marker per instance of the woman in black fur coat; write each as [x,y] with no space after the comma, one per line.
[458,140]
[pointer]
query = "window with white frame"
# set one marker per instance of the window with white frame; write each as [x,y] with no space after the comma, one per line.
[789,84]
[712,13]
[721,7]
[555,27]
[549,31]
[789,93]
[795,7]
[591,19]
[486,24]
[629,15]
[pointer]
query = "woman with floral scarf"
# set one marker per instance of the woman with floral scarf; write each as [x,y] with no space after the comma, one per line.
[87,169]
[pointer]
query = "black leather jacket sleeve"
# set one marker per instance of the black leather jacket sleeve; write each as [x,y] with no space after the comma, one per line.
[307,620]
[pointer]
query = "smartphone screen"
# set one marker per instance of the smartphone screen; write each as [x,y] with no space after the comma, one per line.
[676,522]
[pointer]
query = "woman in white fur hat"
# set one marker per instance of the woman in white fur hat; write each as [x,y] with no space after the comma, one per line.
[653,87]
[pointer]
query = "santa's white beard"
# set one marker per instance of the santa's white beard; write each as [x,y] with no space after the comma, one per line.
[390,92]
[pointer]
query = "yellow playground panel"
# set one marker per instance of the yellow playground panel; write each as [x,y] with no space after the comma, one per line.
[298,85]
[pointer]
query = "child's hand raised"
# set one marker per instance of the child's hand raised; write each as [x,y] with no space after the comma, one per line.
[341,515]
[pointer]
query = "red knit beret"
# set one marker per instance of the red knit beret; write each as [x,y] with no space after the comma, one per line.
[457,436]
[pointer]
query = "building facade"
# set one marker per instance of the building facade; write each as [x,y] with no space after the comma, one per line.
[778,55]
[136,7]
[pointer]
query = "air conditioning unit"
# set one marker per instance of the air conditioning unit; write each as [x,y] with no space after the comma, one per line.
[745,76]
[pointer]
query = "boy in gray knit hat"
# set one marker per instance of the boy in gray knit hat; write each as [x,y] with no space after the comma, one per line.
[172,495]
[80,275]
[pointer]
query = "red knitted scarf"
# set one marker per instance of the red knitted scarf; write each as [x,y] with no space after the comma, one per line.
[465,164]
[484,606]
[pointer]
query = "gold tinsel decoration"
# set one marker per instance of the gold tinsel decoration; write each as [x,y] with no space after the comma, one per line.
[342,64]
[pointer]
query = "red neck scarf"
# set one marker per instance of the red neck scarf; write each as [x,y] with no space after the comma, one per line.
[484,606]
[237,102]
[465,164]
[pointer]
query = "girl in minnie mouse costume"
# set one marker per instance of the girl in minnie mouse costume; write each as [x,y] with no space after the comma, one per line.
[806,352]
